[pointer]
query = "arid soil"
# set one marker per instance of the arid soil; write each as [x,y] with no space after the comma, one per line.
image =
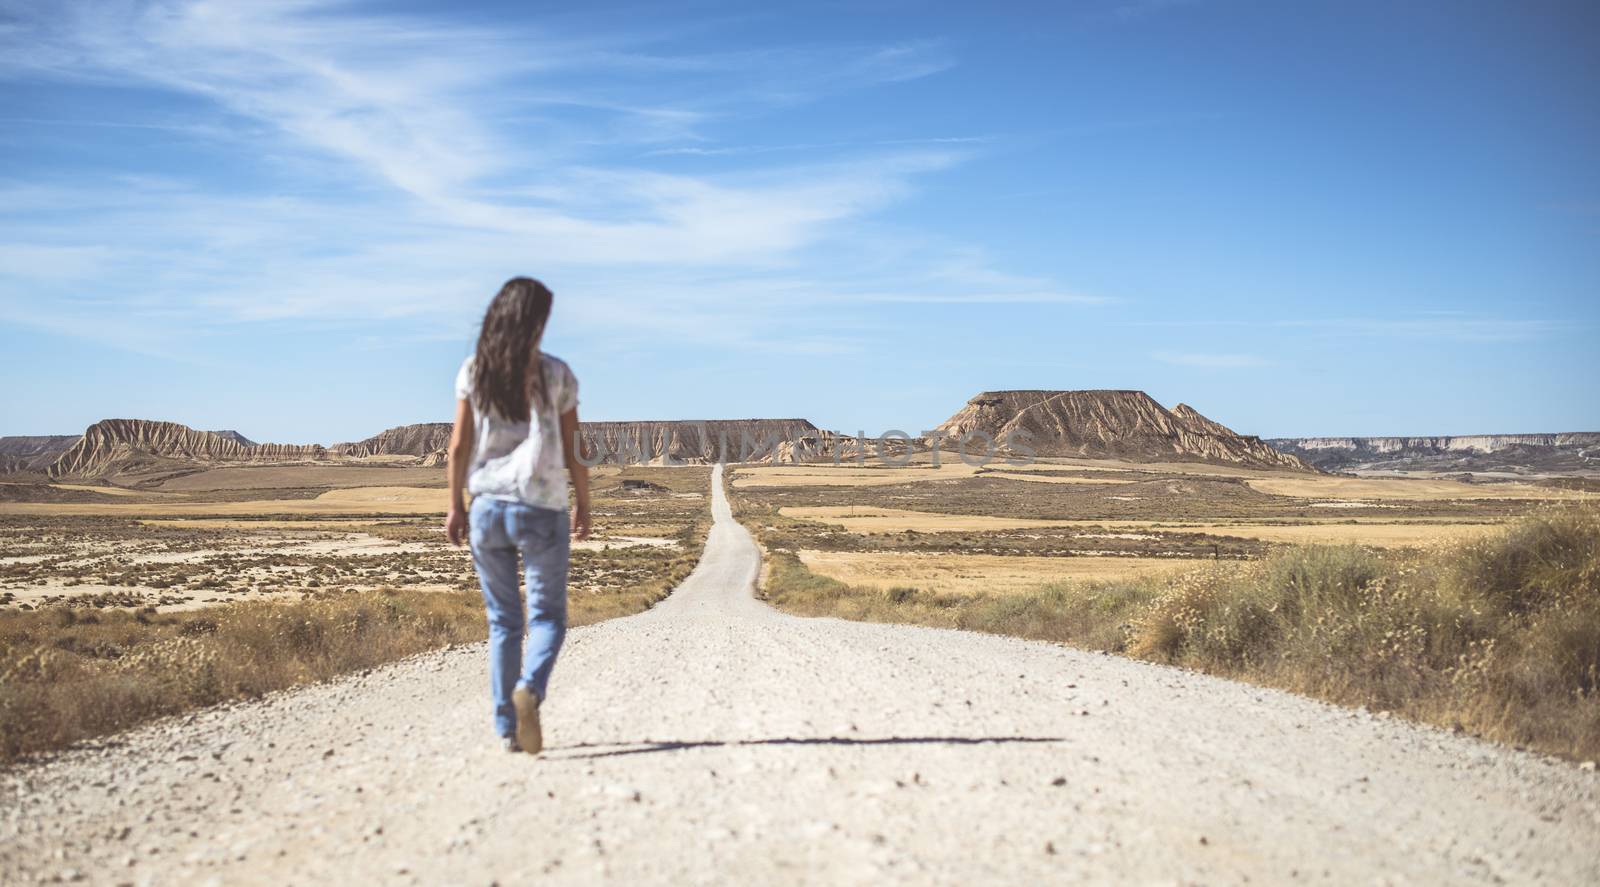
[1008,530]
[982,573]
[713,740]
[241,533]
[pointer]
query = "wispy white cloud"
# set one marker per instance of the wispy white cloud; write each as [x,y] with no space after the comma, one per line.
[1209,361]
[412,100]
[424,158]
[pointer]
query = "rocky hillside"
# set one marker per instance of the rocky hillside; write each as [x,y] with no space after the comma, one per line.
[830,446]
[696,441]
[1107,424]
[236,437]
[122,445]
[1552,454]
[1127,425]
[32,452]
[423,439]
[142,447]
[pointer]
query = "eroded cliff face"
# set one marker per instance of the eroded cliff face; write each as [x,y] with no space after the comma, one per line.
[695,442]
[829,446]
[135,446]
[124,445]
[116,444]
[1127,425]
[32,452]
[1101,424]
[1560,453]
[236,437]
[1473,443]
[424,440]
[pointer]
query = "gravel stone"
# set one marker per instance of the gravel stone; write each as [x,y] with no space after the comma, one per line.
[769,749]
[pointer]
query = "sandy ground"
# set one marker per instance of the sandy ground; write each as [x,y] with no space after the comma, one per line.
[359,500]
[601,543]
[873,519]
[206,523]
[1330,487]
[875,473]
[285,581]
[105,490]
[344,474]
[983,573]
[712,740]
[1207,469]
[336,541]
[1376,533]
[950,467]
[294,539]
[1058,479]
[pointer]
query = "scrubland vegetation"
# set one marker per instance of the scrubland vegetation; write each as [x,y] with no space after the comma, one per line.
[1498,636]
[71,673]
[68,673]
[280,610]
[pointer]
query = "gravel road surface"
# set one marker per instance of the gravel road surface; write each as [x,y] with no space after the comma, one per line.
[714,740]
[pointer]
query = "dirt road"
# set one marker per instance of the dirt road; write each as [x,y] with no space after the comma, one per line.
[713,740]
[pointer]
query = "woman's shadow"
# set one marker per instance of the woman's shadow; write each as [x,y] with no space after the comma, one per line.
[585,750]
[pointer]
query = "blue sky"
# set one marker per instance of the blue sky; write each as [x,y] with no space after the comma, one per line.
[1300,218]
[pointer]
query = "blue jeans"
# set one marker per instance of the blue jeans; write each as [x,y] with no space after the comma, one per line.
[499,531]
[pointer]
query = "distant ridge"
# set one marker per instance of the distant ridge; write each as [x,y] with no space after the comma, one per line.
[422,439]
[1111,424]
[34,452]
[1566,452]
[113,447]
[696,442]
[1127,425]
[236,437]
[121,445]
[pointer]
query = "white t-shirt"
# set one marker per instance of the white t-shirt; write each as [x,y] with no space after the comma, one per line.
[521,461]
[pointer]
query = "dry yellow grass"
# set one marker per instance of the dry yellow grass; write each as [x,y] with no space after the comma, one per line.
[985,573]
[361,500]
[1312,486]
[344,473]
[413,500]
[1498,636]
[1204,469]
[103,490]
[219,523]
[825,474]
[89,488]
[871,519]
[1057,479]
[69,674]
[1377,533]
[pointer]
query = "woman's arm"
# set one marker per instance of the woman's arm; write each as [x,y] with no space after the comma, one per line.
[578,471]
[461,437]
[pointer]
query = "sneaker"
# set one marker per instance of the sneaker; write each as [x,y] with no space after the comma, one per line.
[509,743]
[528,734]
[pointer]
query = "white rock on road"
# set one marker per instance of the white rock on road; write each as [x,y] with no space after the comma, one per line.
[714,740]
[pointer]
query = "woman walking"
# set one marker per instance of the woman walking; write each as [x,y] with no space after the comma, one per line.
[513,447]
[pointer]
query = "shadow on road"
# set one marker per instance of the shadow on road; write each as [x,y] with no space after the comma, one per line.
[579,751]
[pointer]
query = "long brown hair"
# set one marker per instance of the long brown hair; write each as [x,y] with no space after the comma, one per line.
[501,379]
